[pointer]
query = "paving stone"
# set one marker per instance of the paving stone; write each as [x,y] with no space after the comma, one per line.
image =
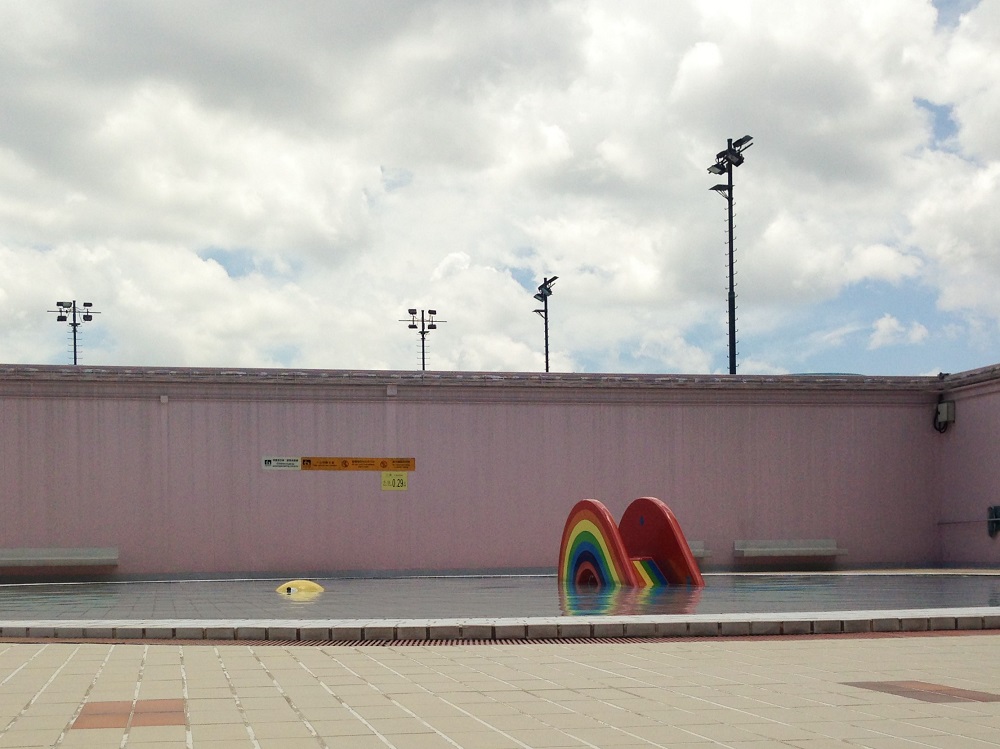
[941,623]
[827,626]
[574,629]
[703,629]
[734,629]
[542,630]
[857,625]
[379,632]
[796,627]
[345,633]
[608,629]
[468,631]
[411,632]
[969,622]
[251,633]
[640,629]
[672,629]
[314,633]
[885,625]
[510,631]
[765,628]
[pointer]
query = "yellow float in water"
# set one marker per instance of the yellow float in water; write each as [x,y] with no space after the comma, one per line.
[300,590]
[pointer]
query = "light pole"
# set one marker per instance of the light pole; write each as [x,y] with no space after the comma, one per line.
[544,292]
[427,324]
[724,163]
[85,313]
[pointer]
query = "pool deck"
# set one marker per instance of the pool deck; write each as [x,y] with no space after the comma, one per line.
[882,691]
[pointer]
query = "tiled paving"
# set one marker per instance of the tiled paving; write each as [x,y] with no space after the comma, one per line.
[744,693]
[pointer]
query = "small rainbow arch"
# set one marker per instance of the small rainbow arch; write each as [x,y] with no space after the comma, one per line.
[592,552]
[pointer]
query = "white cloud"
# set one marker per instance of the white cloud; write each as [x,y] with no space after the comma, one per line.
[888,331]
[357,160]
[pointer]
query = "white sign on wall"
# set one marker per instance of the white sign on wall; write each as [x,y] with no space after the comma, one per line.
[272,463]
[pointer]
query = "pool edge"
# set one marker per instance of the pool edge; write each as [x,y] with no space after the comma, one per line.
[525,628]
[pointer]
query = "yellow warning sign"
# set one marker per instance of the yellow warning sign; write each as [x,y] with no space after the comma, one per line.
[358,464]
[394,481]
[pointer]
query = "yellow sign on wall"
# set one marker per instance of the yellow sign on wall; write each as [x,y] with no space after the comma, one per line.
[394,481]
[358,464]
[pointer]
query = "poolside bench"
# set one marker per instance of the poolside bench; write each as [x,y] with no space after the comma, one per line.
[699,550]
[80,557]
[814,548]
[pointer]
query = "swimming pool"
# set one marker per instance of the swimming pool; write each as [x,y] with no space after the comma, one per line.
[515,596]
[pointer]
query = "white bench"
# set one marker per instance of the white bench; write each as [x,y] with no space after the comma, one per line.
[82,557]
[815,548]
[699,550]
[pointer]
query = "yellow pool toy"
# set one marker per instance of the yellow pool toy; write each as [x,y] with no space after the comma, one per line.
[300,590]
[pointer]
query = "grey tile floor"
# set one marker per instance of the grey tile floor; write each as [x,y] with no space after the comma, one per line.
[742,694]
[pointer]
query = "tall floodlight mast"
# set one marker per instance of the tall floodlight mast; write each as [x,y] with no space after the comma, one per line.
[544,292]
[725,161]
[427,324]
[75,316]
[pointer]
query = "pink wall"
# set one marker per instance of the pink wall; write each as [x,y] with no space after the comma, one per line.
[94,458]
[968,481]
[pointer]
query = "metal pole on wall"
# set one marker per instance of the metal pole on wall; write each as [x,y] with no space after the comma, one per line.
[724,163]
[732,274]
[544,292]
[69,312]
[427,324]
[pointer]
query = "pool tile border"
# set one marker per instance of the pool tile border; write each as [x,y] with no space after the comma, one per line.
[529,628]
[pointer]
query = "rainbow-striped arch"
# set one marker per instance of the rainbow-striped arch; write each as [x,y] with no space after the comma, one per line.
[647,550]
[592,551]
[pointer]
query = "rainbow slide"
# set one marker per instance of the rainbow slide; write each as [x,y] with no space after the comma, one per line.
[647,549]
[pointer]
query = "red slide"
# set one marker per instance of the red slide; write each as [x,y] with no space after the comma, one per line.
[649,529]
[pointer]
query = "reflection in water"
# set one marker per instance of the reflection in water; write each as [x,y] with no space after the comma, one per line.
[664,599]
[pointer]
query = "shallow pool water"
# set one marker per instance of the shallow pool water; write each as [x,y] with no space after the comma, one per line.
[458,597]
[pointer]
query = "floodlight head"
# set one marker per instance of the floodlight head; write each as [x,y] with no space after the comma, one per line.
[432,312]
[717,169]
[432,326]
[411,311]
[88,304]
[545,288]
[60,318]
[540,297]
[743,142]
[67,305]
[412,326]
[87,317]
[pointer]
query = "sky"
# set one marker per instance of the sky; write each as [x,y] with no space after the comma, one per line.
[241,183]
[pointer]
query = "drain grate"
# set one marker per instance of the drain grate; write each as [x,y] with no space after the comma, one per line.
[435,643]
[422,642]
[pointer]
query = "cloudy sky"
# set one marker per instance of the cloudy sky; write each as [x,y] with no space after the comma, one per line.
[273,184]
